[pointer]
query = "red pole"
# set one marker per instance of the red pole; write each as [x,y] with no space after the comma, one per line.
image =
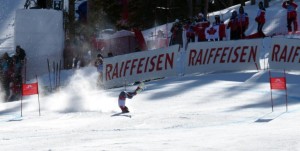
[271,89]
[286,98]
[256,66]
[38,95]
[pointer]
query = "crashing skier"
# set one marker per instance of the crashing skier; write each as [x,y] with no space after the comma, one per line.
[124,94]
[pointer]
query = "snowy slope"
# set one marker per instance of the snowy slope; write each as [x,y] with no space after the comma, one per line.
[228,111]
[7,15]
[224,111]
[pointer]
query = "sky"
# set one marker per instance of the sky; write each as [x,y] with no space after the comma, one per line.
[222,111]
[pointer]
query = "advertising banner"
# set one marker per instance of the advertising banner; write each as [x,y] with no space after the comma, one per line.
[285,54]
[216,56]
[144,65]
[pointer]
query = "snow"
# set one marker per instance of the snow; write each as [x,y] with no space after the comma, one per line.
[7,13]
[221,111]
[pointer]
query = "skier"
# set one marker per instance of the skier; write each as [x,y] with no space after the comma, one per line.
[124,94]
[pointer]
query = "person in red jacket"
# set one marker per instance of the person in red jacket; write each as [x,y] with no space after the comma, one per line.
[243,22]
[190,33]
[222,27]
[233,26]
[291,7]
[260,18]
[201,25]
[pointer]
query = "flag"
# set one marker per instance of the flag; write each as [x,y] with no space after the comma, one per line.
[212,33]
[278,83]
[29,89]
[140,39]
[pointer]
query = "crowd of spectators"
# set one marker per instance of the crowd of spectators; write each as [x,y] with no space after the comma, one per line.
[197,29]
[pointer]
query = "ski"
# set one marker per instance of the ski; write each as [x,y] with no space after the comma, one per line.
[121,114]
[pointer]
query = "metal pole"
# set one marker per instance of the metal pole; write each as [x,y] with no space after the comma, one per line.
[167,43]
[56,75]
[59,73]
[22,102]
[125,84]
[49,74]
[25,70]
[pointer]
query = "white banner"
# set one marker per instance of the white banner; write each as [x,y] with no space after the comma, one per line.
[140,66]
[285,54]
[218,56]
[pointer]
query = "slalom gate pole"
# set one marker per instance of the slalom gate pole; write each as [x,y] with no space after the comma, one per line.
[256,66]
[56,81]
[125,84]
[22,101]
[25,62]
[286,95]
[264,63]
[38,93]
[271,90]
[53,67]
[59,73]
[49,74]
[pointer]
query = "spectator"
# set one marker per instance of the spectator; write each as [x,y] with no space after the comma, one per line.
[291,7]
[243,22]
[76,62]
[137,49]
[42,3]
[99,65]
[260,19]
[201,25]
[27,4]
[110,54]
[82,11]
[67,54]
[16,81]
[221,26]
[190,33]
[200,18]
[176,37]
[233,25]
[160,34]
[6,74]
[20,52]
[17,66]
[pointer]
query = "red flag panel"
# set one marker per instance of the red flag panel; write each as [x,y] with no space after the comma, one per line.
[140,38]
[30,89]
[278,83]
